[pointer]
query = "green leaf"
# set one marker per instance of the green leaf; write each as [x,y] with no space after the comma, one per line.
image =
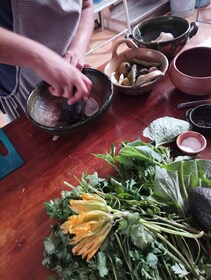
[101,264]
[206,268]
[152,260]
[194,173]
[165,130]
[140,236]
[166,186]
[145,153]
[180,270]
[51,244]
[132,227]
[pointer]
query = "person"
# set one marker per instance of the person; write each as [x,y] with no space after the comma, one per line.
[48,65]
[46,39]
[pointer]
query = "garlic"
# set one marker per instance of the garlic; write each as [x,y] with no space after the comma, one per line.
[113,78]
[121,78]
[163,37]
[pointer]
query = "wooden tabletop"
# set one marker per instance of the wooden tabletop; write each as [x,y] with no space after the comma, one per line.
[24,222]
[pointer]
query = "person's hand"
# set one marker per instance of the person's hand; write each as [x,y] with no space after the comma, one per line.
[65,79]
[75,57]
[76,87]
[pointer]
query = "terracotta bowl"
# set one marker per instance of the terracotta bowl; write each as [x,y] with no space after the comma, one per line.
[190,71]
[53,115]
[147,31]
[200,118]
[191,142]
[132,54]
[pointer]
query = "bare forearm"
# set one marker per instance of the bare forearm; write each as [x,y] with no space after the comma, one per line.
[48,65]
[85,29]
[20,51]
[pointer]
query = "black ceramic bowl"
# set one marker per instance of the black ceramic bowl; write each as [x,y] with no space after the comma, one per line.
[147,31]
[200,118]
[43,108]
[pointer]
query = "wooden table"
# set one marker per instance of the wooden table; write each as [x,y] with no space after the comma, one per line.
[24,222]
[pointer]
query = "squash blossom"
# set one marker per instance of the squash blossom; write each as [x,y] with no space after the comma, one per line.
[92,224]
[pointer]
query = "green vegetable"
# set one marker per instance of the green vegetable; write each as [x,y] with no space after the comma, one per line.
[133,74]
[146,63]
[153,235]
[164,130]
[200,206]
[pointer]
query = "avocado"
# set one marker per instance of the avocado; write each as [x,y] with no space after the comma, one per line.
[200,206]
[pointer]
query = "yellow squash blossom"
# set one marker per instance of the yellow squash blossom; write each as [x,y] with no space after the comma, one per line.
[89,202]
[91,226]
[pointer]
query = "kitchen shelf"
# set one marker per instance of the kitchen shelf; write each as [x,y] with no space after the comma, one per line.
[102,6]
[203,13]
[138,10]
[120,15]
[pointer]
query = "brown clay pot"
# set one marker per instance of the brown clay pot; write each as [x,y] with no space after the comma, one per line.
[190,71]
[142,54]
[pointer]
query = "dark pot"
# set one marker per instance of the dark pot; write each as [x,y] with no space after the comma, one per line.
[200,118]
[147,31]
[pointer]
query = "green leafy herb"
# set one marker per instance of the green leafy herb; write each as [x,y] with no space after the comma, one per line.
[153,235]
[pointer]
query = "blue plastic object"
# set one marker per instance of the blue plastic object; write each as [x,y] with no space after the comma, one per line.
[10,160]
[202,3]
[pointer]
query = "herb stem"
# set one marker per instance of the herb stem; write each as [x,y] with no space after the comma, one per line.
[173,223]
[125,256]
[153,226]
[182,259]
[182,181]
[113,269]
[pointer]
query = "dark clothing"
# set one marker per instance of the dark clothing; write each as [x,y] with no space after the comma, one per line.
[7,72]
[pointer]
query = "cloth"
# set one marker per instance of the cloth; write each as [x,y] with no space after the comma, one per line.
[51,22]
[7,72]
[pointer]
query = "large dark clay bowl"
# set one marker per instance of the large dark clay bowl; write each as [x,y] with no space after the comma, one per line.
[190,71]
[41,104]
[147,31]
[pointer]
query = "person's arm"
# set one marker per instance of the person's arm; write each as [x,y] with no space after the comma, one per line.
[79,46]
[65,79]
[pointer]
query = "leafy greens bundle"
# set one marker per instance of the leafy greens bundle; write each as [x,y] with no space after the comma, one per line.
[134,225]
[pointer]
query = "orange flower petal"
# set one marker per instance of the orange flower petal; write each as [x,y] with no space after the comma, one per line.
[98,242]
[65,227]
[79,246]
[89,196]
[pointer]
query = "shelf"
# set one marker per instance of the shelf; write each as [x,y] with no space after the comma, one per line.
[203,14]
[102,4]
[120,15]
[139,10]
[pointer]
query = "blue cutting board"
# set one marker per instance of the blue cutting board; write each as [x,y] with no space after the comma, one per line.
[9,159]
